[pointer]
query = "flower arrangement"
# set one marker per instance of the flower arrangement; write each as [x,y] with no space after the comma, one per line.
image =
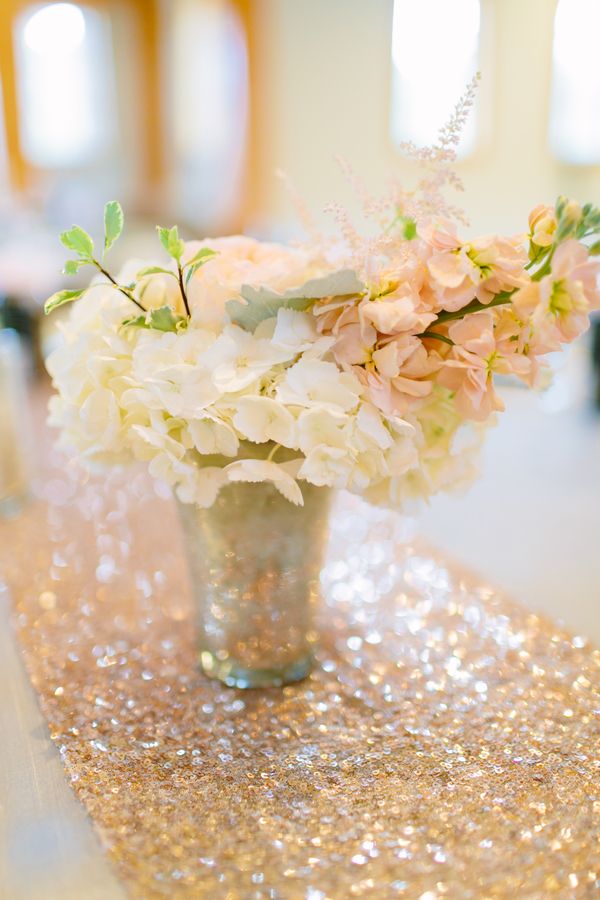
[355,364]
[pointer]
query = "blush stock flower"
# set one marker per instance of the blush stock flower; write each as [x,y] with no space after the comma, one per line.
[559,304]
[368,391]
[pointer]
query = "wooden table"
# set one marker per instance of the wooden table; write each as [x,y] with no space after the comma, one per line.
[48,846]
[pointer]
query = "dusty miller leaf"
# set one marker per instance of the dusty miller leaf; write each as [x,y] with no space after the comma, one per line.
[263,303]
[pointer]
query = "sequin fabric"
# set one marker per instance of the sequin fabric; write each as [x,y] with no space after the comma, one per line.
[445,746]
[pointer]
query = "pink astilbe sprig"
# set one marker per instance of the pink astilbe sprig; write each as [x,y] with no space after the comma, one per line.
[305,216]
[400,204]
[367,200]
[427,198]
[354,241]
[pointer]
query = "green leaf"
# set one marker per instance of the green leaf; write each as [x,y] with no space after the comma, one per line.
[78,240]
[60,298]
[154,270]
[72,266]
[263,303]
[162,319]
[169,238]
[595,249]
[408,227]
[201,257]
[113,223]
[190,272]
[438,337]
[197,261]
[536,253]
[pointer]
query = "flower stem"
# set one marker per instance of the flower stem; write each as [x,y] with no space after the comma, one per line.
[182,289]
[123,290]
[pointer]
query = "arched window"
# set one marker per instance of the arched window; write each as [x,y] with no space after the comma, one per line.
[65,85]
[575,100]
[435,48]
[208,108]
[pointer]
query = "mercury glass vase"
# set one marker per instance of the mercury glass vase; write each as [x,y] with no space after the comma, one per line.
[255,560]
[15,433]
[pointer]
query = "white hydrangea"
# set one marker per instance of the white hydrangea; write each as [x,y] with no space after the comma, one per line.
[215,404]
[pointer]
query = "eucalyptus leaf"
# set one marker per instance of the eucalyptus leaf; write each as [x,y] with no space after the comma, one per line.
[60,298]
[113,223]
[161,319]
[78,240]
[263,303]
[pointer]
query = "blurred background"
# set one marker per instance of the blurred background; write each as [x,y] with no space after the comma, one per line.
[185,109]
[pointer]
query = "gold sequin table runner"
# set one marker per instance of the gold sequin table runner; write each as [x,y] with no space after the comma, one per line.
[446,745]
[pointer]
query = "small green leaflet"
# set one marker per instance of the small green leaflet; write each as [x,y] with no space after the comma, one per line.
[72,266]
[78,240]
[201,256]
[198,259]
[113,223]
[154,270]
[263,303]
[409,228]
[169,238]
[60,298]
[162,319]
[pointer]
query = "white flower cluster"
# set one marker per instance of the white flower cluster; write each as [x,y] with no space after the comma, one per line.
[215,403]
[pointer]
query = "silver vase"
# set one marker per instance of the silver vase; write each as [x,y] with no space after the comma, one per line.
[255,560]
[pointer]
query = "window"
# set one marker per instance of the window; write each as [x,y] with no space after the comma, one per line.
[66,91]
[435,48]
[208,103]
[575,100]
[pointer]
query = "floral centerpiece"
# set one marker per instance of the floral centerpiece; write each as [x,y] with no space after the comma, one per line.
[353,363]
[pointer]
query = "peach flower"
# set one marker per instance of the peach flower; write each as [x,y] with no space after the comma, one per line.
[397,312]
[542,225]
[560,303]
[468,371]
[477,270]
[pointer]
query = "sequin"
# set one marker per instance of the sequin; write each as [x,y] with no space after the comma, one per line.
[445,746]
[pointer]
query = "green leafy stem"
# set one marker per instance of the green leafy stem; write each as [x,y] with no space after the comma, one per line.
[162,319]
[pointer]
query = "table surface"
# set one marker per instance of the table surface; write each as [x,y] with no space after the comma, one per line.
[49,848]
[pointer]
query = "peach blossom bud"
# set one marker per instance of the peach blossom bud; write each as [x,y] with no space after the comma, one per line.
[542,225]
